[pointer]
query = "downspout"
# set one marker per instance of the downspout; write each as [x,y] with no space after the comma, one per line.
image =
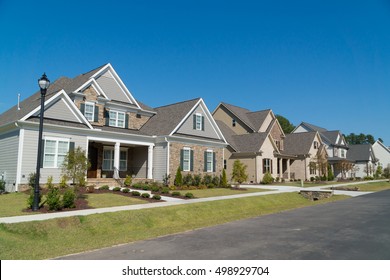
[168,155]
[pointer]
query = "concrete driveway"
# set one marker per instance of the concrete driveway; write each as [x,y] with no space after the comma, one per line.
[352,229]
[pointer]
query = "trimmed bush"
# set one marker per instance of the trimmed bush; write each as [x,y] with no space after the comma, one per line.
[197,180]
[189,195]
[69,199]
[165,190]
[126,190]
[156,197]
[53,199]
[2,186]
[145,195]
[155,188]
[128,181]
[176,194]
[135,193]
[188,179]
[267,179]
[116,189]
[224,182]
[178,178]
[104,187]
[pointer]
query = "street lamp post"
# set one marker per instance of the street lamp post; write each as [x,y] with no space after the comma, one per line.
[43,83]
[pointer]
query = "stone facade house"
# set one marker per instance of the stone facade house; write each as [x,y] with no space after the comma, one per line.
[121,135]
[336,148]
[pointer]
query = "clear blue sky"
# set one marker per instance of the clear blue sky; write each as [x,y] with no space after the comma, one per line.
[323,62]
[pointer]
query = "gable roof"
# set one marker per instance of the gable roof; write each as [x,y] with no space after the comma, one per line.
[360,152]
[299,143]
[251,142]
[312,127]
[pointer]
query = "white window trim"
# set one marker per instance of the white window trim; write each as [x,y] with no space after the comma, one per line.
[198,123]
[116,118]
[209,164]
[93,111]
[57,140]
[189,158]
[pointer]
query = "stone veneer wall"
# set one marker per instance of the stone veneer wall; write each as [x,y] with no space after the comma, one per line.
[174,161]
[136,121]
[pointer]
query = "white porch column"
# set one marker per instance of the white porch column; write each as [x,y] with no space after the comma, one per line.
[150,162]
[288,169]
[281,169]
[116,160]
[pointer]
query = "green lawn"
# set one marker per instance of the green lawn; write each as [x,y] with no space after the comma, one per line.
[56,237]
[111,200]
[372,187]
[12,204]
[220,192]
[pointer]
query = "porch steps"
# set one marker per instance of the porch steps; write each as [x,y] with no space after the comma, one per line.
[98,182]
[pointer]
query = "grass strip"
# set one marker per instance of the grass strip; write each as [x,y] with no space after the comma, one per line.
[57,237]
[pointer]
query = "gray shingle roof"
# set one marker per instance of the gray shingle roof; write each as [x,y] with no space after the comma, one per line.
[299,143]
[359,152]
[314,127]
[228,134]
[251,142]
[168,117]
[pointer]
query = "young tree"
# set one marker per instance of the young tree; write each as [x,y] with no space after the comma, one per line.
[75,166]
[239,174]
[224,182]
[178,178]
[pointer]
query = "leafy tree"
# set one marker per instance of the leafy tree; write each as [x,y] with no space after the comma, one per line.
[378,172]
[285,124]
[75,166]
[386,172]
[239,174]
[353,138]
[330,173]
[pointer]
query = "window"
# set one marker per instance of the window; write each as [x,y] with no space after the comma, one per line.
[233,122]
[316,145]
[209,161]
[117,119]
[54,153]
[267,165]
[224,164]
[89,111]
[198,122]
[342,153]
[313,168]
[186,159]
[108,159]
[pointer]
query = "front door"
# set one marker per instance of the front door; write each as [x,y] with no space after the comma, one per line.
[93,159]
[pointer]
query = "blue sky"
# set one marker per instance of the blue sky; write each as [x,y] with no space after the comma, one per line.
[323,62]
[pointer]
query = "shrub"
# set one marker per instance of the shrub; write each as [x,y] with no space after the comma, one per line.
[165,190]
[2,186]
[197,180]
[267,179]
[155,188]
[188,180]
[145,195]
[207,180]
[216,181]
[135,193]
[128,181]
[224,182]
[145,187]
[104,187]
[63,182]
[239,174]
[330,173]
[176,194]
[368,178]
[126,190]
[69,199]
[156,197]
[53,199]
[178,178]
[116,189]
[312,179]
[138,186]
[189,195]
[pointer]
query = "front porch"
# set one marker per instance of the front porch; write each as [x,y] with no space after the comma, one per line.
[117,160]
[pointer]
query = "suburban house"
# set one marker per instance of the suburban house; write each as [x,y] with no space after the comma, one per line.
[364,159]
[257,140]
[336,148]
[121,136]
[382,153]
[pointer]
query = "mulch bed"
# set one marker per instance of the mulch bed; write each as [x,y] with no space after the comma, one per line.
[81,202]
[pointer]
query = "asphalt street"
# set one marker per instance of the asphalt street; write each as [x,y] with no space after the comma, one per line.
[353,229]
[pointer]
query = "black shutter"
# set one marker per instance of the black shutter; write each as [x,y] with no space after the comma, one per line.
[96,116]
[127,121]
[107,116]
[42,152]
[82,108]
[181,159]
[71,146]
[271,167]
[203,123]
[192,160]
[205,161]
[264,166]
[214,162]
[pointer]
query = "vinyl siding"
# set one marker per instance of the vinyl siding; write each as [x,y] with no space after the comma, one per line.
[139,162]
[30,148]
[60,111]
[9,157]
[382,154]
[111,88]
[188,126]
[160,161]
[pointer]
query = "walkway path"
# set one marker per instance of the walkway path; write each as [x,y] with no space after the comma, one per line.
[171,202]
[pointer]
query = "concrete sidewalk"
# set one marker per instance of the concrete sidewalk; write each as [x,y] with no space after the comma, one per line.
[169,201]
